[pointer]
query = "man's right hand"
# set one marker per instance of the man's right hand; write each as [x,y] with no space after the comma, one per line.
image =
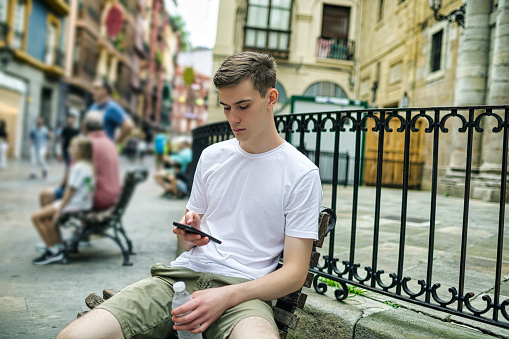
[190,240]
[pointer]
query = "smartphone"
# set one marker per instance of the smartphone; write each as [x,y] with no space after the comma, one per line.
[191,229]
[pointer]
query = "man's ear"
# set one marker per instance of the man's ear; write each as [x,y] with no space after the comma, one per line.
[273,95]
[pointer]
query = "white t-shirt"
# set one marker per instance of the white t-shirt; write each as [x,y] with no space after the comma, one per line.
[82,179]
[250,202]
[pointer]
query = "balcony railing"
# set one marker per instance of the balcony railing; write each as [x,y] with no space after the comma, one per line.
[339,49]
[404,268]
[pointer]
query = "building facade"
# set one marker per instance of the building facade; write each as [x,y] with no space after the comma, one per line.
[131,43]
[313,42]
[31,50]
[408,58]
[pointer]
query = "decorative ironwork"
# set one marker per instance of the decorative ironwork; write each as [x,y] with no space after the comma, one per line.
[433,122]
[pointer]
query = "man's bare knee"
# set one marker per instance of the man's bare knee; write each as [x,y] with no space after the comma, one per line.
[254,327]
[98,324]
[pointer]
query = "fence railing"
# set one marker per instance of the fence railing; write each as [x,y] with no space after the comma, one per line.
[480,134]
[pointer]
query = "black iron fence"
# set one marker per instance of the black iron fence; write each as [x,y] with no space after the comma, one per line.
[465,144]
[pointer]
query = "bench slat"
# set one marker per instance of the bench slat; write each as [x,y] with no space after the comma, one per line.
[286,318]
[309,280]
[295,299]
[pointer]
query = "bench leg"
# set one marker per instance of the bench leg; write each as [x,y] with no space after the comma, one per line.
[125,252]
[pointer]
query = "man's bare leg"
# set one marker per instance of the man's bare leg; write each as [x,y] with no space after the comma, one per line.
[43,222]
[255,328]
[46,196]
[95,324]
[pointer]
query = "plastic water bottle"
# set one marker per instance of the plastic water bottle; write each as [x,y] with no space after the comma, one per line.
[180,297]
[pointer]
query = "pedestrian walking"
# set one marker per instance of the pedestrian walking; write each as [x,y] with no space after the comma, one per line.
[38,140]
[114,116]
[4,144]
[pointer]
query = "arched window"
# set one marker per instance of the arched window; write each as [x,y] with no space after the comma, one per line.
[282,93]
[325,89]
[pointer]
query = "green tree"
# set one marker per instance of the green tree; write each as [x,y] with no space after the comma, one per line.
[181,27]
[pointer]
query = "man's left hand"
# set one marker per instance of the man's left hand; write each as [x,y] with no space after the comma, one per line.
[205,308]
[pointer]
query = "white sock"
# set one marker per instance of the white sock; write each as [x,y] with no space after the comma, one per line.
[57,248]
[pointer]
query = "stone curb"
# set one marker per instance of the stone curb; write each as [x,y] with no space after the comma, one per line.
[367,316]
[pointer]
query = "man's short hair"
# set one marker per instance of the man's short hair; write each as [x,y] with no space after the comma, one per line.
[260,68]
[105,83]
[93,121]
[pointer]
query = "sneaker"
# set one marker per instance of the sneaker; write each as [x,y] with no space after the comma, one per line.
[49,257]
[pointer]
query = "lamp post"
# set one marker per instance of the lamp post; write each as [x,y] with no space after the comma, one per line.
[6,52]
[457,15]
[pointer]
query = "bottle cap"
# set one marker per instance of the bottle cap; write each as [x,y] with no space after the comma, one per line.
[179,286]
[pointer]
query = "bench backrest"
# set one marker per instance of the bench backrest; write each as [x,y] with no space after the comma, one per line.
[285,306]
[131,179]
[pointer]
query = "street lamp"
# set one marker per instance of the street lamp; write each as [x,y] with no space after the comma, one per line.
[457,15]
[6,52]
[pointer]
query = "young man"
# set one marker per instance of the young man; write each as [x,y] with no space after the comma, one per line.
[258,195]
[114,116]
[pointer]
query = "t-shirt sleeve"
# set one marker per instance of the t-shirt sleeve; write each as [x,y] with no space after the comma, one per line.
[197,201]
[77,175]
[116,114]
[303,207]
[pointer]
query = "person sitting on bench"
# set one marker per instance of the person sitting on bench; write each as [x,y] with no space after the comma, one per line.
[258,195]
[77,197]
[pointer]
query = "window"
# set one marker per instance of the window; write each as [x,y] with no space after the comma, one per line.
[52,54]
[3,11]
[282,93]
[325,89]
[19,24]
[50,44]
[335,22]
[436,51]
[268,25]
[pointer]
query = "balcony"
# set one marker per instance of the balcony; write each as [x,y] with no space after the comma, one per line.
[338,49]
[60,7]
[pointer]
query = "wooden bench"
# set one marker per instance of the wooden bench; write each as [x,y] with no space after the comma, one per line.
[105,222]
[284,307]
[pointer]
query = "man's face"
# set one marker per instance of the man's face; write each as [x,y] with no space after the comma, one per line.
[249,115]
[99,93]
[40,122]
[70,121]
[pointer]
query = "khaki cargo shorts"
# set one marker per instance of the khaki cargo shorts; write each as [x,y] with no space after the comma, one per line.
[143,309]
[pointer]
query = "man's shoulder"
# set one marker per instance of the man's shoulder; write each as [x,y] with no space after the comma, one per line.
[221,147]
[112,105]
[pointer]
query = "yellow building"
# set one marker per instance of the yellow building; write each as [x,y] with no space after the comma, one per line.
[31,66]
[314,43]
[454,54]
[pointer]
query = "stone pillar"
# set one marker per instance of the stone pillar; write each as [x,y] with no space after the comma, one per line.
[498,95]
[471,75]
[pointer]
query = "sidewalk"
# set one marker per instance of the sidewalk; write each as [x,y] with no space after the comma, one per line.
[38,301]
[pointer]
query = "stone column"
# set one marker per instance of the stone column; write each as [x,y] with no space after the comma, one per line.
[498,94]
[471,75]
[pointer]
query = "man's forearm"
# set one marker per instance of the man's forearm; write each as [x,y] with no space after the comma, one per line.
[283,281]
[270,287]
[125,130]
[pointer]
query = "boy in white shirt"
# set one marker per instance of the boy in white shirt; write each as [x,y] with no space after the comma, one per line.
[78,196]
